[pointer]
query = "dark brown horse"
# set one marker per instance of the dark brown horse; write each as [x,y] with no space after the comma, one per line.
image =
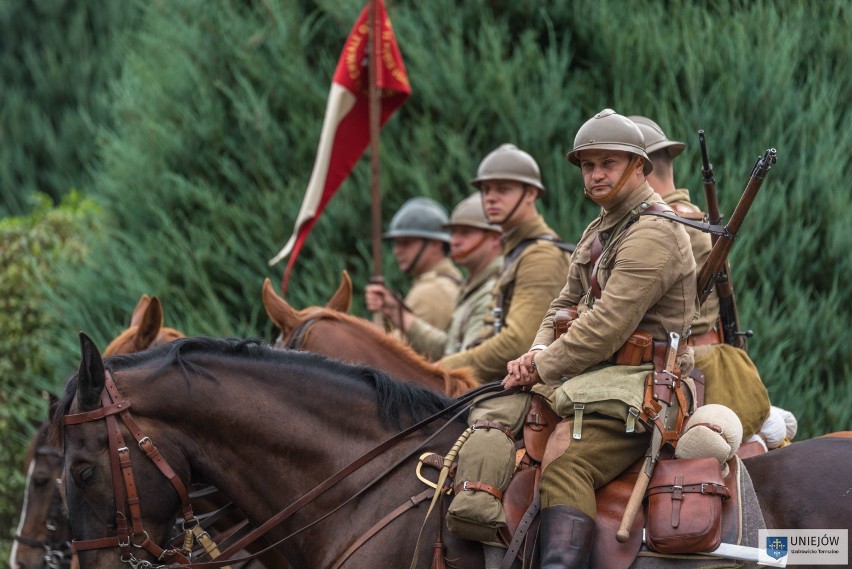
[331,331]
[43,536]
[146,329]
[267,427]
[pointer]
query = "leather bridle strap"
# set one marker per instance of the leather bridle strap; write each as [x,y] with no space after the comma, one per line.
[124,484]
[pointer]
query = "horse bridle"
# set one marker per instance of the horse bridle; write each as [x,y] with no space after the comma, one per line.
[57,552]
[296,339]
[132,536]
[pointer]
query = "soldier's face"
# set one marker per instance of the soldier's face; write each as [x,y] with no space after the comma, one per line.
[405,250]
[602,169]
[499,198]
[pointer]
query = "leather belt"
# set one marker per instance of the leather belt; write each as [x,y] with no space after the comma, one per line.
[708,338]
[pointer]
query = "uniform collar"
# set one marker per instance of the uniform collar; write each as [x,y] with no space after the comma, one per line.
[681,195]
[526,230]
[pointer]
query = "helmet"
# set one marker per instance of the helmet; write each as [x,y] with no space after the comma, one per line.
[655,138]
[469,213]
[419,217]
[609,130]
[508,162]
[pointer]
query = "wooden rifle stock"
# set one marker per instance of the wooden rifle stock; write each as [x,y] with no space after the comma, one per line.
[720,251]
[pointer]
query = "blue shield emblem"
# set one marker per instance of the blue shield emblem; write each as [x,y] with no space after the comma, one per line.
[776,546]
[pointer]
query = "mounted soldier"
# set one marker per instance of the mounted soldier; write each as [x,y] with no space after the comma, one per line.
[730,378]
[631,276]
[420,245]
[534,267]
[475,245]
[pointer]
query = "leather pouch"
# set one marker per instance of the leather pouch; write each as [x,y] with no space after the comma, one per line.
[685,506]
[636,350]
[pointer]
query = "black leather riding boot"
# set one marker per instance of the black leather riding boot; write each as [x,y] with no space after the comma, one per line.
[565,537]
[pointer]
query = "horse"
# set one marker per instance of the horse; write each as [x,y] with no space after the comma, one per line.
[146,329]
[331,331]
[268,427]
[43,536]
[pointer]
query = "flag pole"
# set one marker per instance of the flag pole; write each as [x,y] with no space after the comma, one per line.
[375,166]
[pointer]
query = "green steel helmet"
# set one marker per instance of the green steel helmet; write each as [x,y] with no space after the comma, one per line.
[609,130]
[469,213]
[655,138]
[423,218]
[508,162]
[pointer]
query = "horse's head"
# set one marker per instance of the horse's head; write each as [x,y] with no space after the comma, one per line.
[43,529]
[288,319]
[120,502]
[146,329]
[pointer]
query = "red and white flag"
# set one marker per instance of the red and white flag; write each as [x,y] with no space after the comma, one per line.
[346,130]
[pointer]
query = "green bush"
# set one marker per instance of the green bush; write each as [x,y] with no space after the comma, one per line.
[33,250]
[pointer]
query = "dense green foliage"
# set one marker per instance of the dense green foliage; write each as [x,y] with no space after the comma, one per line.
[30,250]
[214,118]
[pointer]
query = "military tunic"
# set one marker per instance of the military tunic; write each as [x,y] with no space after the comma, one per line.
[467,321]
[534,271]
[433,294]
[647,278]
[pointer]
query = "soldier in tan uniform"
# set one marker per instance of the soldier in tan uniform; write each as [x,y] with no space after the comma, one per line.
[534,269]
[475,246]
[629,273]
[420,245]
[731,378]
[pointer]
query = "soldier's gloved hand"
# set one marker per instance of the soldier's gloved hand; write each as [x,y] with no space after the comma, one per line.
[379,299]
[522,371]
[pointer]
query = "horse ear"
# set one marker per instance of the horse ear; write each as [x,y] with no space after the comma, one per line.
[341,300]
[281,313]
[91,376]
[150,326]
[139,311]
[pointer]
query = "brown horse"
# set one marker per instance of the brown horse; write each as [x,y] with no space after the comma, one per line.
[331,331]
[267,427]
[146,329]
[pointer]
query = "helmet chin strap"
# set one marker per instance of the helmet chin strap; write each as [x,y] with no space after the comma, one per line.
[618,185]
[515,208]
[464,253]
[413,263]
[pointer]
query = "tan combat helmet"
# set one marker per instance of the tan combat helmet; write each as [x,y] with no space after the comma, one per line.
[422,218]
[469,213]
[508,162]
[609,130]
[655,138]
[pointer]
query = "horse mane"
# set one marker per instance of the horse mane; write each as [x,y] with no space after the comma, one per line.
[463,376]
[394,398]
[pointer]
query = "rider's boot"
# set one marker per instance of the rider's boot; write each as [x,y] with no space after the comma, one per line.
[565,537]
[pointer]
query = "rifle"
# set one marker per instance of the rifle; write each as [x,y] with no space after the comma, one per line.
[716,269]
[658,405]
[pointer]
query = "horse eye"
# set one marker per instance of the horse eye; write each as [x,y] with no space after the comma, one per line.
[84,475]
[41,482]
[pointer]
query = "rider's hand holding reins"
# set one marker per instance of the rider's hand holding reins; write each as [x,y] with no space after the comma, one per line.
[522,371]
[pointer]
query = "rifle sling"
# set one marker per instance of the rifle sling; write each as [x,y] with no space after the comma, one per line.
[713,229]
